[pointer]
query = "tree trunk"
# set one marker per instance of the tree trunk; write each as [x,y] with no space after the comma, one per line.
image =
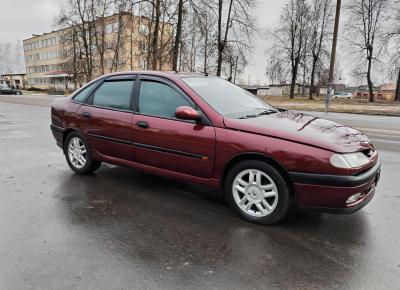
[219,62]
[155,35]
[178,36]
[370,85]
[74,64]
[397,97]
[312,81]
[220,45]
[293,83]
[205,52]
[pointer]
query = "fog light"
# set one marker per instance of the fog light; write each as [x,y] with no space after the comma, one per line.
[353,198]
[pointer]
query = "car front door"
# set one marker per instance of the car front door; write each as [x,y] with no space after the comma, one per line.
[163,141]
[106,118]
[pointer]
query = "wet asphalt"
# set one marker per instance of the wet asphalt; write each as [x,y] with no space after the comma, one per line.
[122,229]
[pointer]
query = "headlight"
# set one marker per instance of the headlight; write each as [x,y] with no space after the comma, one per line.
[349,160]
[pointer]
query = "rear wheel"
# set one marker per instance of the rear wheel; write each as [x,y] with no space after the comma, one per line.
[258,192]
[78,154]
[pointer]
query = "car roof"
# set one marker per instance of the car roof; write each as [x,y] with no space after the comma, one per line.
[161,74]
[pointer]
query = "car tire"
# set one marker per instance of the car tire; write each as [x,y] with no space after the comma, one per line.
[18,93]
[78,154]
[258,192]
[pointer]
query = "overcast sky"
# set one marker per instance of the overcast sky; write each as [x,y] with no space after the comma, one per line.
[21,18]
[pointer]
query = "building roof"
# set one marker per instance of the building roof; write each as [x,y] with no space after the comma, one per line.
[35,35]
[388,87]
[57,74]
[13,74]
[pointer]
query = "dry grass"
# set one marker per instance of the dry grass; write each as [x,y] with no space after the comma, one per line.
[339,106]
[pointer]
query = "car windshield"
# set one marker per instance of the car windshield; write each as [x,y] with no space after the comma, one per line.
[228,99]
[3,86]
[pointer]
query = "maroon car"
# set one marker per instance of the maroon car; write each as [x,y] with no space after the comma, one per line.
[206,130]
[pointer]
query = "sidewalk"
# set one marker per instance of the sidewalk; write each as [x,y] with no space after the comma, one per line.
[339,106]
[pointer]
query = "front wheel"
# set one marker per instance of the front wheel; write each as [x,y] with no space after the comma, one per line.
[258,192]
[78,154]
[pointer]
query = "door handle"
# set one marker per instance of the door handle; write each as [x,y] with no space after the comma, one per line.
[86,114]
[143,124]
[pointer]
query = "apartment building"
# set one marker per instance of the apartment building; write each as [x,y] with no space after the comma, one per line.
[48,56]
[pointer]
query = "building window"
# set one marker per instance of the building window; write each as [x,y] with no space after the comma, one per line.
[112,27]
[142,64]
[115,26]
[109,28]
[110,45]
[143,29]
[143,46]
[109,63]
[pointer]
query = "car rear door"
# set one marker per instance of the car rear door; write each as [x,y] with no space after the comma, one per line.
[161,140]
[106,118]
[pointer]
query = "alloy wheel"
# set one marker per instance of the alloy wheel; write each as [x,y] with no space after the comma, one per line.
[255,192]
[77,153]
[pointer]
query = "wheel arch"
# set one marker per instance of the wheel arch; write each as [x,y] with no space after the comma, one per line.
[66,133]
[259,157]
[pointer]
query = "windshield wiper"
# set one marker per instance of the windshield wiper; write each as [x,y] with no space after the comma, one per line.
[249,116]
[265,112]
[268,112]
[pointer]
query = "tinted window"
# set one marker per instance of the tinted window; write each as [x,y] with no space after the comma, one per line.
[81,96]
[158,99]
[114,94]
[225,97]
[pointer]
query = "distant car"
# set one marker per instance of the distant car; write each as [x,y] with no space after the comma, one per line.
[206,130]
[6,90]
[343,96]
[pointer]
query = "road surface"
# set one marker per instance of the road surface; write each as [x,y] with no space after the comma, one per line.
[122,229]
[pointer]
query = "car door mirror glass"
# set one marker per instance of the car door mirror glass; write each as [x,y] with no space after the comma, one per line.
[187,113]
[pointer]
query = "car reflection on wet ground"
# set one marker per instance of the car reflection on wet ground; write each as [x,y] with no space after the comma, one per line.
[122,229]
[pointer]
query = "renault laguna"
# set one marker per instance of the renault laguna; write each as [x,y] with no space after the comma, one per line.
[206,130]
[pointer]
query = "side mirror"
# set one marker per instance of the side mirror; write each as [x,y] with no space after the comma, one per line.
[187,113]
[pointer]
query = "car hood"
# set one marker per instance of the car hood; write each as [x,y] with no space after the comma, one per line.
[305,129]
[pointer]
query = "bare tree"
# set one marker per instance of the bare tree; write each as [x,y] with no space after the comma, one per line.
[154,43]
[290,39]
[79,17]
[208,33]
[6,62]
[365,30]
[178,34]
[236,27]
[393,40]
[99,10]
[321,19]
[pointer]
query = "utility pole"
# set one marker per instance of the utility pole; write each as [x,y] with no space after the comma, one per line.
[333,57]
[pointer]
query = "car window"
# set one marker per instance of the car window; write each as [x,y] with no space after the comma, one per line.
[158,99]
[227,98]
[114,95]
[81,96]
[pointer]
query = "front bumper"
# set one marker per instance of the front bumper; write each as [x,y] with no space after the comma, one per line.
[329,193]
